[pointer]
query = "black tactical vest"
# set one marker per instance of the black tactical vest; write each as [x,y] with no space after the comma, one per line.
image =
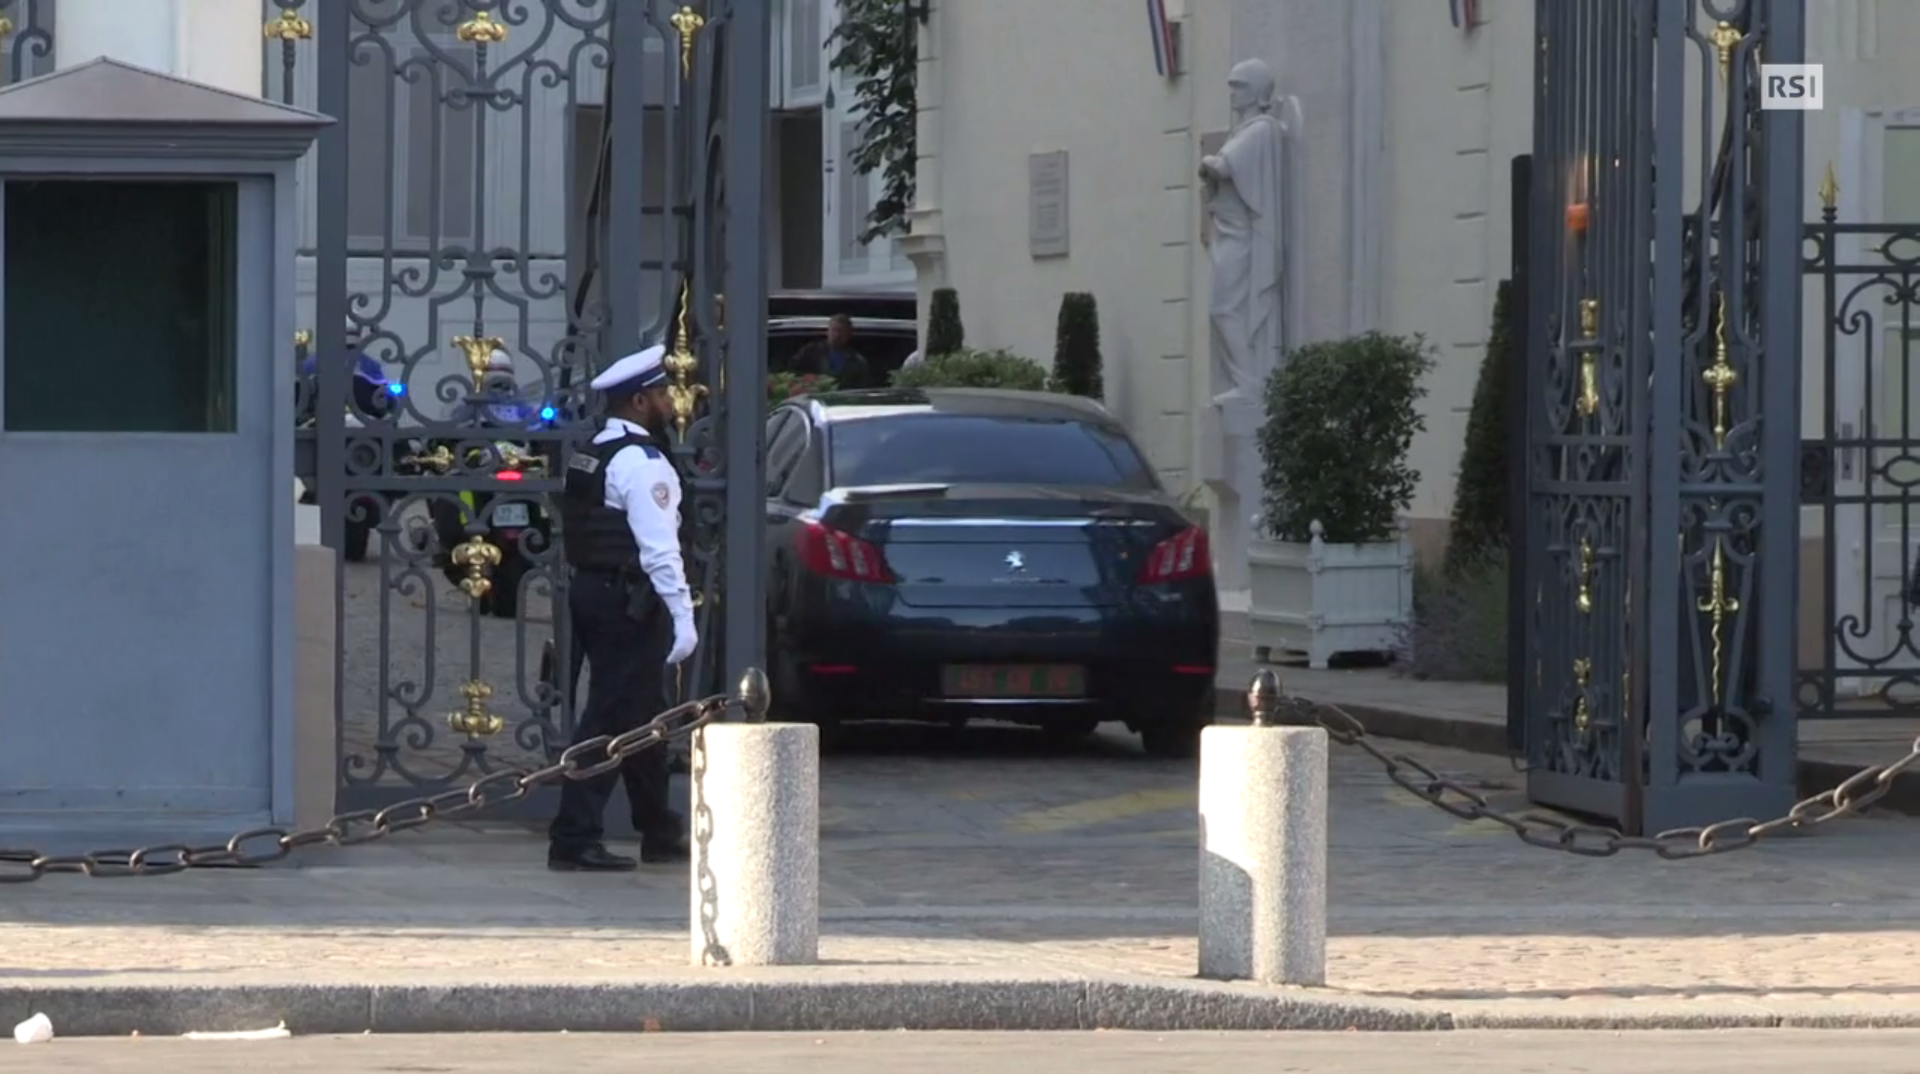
[597,536]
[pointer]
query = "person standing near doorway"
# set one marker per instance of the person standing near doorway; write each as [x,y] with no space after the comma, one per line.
[835,356]
[631,609]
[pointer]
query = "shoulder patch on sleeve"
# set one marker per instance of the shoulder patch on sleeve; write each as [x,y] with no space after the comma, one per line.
[662,495]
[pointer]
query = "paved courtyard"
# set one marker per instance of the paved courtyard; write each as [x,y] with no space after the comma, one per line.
[987,848]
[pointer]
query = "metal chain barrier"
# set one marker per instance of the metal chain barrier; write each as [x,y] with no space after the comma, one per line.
[1852,796]
[263,846]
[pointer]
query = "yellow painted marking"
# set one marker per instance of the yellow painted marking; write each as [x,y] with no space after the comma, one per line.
[1103,810]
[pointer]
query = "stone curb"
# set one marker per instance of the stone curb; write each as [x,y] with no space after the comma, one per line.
[830,999]
[825,1000]
[1489,737]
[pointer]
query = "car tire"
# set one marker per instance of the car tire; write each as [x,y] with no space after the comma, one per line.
[503,600]
[1176,737]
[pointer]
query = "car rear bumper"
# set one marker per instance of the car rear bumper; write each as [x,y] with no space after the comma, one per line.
[860,663]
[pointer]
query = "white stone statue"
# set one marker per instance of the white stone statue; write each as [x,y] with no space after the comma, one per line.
[1245,186]
[1248,191]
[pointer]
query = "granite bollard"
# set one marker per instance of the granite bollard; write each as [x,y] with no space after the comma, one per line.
[755,881]
[1263,852]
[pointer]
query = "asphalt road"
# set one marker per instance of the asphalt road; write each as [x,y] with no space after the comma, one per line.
[1766,1051]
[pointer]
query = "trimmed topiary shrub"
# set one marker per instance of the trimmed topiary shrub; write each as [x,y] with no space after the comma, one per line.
[1459,631]
[1076,347]
[945,333]
[1479,525]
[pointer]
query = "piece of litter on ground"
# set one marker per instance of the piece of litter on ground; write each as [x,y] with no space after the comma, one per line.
[35,1030]
[278,1032]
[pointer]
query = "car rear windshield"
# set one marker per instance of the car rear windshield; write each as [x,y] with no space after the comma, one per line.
[958,449]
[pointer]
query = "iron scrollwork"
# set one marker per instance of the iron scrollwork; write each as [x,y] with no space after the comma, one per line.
[1861,466]
[1646,654]
[475,277]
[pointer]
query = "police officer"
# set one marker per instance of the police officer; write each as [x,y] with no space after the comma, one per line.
[632,613]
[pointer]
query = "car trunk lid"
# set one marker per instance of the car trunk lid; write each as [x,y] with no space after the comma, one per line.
[1000,546]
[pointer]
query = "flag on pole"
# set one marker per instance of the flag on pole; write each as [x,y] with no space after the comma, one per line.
[1165,60]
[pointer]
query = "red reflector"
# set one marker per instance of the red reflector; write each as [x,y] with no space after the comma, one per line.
[1192,669]
[834,669]
[508,475]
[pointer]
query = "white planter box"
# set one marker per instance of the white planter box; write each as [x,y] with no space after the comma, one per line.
[1319,599]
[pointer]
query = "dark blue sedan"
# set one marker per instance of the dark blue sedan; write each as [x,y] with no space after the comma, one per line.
[960,554]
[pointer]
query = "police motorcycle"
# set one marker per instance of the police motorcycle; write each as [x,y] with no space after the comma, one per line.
[507,448]
[374,397]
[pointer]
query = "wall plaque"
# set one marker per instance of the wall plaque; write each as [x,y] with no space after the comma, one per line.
[1047,218]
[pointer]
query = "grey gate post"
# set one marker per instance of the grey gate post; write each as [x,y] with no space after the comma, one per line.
[744,391]
[1664,425]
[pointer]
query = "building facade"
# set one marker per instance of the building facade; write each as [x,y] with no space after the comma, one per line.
[1411,122]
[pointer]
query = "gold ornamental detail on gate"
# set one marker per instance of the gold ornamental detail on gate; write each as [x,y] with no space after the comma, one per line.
[287,27]
[474,720]
[686,22]
[478,558]
[681,364]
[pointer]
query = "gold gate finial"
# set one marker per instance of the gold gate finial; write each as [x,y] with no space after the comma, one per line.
[478,558]
[681,364]
[478,351]
[686,22]
[287,27]
[473,720]
[1829,190]
[1725,37]
[482,29]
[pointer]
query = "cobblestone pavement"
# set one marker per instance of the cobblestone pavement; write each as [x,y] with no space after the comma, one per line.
[1771,1051]
[987,847]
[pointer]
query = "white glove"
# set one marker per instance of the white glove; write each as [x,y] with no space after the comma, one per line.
[684,639]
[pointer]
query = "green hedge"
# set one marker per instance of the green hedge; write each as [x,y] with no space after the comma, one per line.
[974,369]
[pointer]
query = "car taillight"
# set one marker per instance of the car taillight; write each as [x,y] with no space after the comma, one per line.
[1181,556]
[839,555]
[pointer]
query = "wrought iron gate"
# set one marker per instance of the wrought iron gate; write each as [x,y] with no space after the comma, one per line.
[514,194]
[1860,466]
[1663,414]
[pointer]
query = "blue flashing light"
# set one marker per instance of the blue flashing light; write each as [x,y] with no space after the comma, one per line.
[547,413]
[396,388]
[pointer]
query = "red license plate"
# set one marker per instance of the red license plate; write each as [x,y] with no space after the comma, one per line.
[1013,681]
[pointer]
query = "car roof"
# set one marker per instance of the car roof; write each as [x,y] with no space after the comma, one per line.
[830,408]
[872,326]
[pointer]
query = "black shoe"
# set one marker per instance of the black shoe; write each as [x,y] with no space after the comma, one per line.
[591,860]
[664,851]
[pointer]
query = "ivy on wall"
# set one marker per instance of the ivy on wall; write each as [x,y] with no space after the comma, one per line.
[875,45]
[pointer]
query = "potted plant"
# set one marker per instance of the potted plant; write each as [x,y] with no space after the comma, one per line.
[1331,563]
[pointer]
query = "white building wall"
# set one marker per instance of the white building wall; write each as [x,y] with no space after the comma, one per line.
[209,41]
[1019,78]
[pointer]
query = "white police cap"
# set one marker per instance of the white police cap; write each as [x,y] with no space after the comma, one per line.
[636,372]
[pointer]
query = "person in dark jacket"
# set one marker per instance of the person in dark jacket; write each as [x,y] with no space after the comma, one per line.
[835,356]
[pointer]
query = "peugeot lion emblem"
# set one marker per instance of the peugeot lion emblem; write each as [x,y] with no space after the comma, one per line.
[1016,562]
